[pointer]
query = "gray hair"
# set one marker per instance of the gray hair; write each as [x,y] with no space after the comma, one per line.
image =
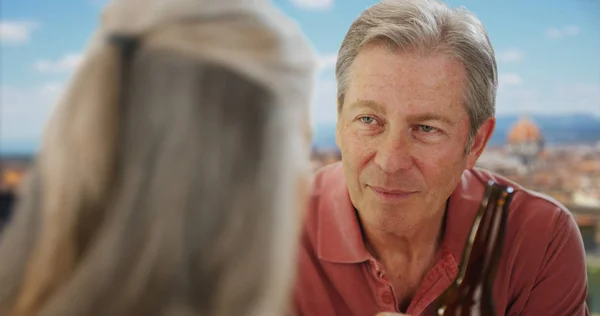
[427,26]
[175,190]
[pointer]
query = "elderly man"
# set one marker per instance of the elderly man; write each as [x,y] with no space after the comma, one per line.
[386,228]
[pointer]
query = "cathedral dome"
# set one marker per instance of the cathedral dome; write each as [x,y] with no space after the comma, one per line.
[525,140]
[524,131]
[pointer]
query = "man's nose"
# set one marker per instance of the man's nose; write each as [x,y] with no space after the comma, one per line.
[393,153]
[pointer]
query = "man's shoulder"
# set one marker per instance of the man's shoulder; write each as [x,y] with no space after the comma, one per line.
[534,219]
[542,239]
[528,207]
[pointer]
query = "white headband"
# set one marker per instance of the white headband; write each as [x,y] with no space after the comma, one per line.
[250,36]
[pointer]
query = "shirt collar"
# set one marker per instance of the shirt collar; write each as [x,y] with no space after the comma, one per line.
[339,237]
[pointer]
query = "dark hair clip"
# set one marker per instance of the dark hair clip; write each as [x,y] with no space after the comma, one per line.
[127,46]
[127,43]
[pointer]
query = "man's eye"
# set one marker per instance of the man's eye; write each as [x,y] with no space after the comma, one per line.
[367,120]
[427,128]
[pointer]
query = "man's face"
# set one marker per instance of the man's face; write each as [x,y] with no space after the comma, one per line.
[402,132]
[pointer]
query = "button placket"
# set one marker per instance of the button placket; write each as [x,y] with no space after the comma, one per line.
[385,291]
[378,271]
[387,298]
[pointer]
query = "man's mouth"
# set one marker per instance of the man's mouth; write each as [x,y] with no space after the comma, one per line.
[391,194]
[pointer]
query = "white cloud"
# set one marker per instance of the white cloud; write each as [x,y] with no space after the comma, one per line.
[567,98]
[313,4]
[324,107]
[16,32]
[509,79]
[64,64]
[510,55]
[518,100]
[52,88]
[567,31]
[327,61]
[579,89]
[24,111]
[580,97]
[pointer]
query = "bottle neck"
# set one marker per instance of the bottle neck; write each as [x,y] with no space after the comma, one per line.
[485,244]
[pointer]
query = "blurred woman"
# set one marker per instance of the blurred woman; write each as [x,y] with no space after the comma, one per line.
[173,170]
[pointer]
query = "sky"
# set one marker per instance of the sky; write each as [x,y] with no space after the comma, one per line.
[548,54]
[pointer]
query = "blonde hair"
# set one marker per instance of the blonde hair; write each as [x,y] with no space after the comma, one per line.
[174,190]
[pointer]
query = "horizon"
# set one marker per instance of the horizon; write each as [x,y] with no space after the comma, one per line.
[324,133]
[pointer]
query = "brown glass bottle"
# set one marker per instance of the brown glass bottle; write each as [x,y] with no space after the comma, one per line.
[471,292]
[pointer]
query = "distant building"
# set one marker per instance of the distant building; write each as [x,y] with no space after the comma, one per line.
[525,141]
[588,199]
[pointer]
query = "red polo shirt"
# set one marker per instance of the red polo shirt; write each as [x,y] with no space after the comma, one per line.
[542,271]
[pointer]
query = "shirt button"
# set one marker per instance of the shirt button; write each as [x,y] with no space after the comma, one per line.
[387,298]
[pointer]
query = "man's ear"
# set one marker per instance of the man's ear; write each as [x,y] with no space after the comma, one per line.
[483,135]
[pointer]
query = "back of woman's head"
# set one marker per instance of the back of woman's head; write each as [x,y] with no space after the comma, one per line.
[171,175]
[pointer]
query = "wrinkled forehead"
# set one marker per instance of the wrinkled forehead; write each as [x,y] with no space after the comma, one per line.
[381,73]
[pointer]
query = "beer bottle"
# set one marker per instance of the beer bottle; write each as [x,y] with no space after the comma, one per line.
[471,292]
